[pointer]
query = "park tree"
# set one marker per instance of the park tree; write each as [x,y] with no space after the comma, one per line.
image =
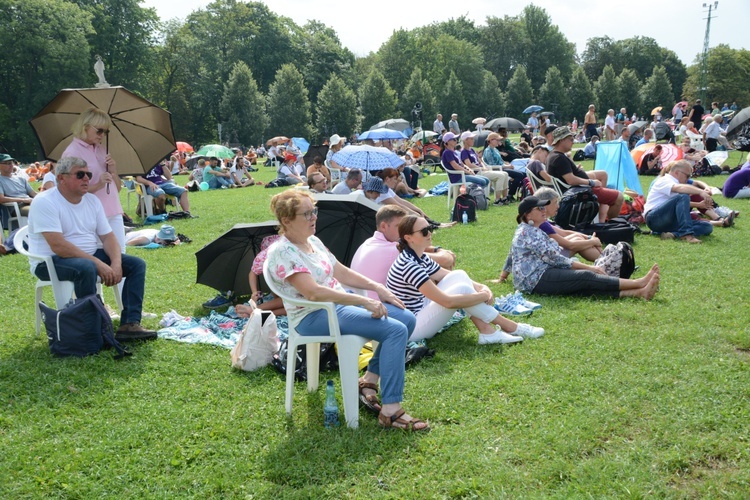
[605,90]
[599,52]
[288,104]
[460,28]
[124,36]
[580,93]
[553,94]
[519,93]
[657,91]
[377,99]
[397,58]
[728,74]
[336,109]
[629,90]
[323,56]
[452,99]
[417,90]
[44,49]
[502,46]
[540,32]
[243,107]
[490,101]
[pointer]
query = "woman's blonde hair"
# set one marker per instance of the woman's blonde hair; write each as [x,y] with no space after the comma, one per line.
[93,117]
[284,205]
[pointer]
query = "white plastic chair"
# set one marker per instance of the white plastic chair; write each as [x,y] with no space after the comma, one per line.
[453,187]
[348,352]
[538,183]
[335,174]
[15,219]
[560,186]
[129,183]
[146,201]
[62,290]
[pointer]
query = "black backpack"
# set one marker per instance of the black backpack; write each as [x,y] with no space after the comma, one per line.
[579,156]
[578,205]
[465,203]
[477,192]
[612,231]
[617,260]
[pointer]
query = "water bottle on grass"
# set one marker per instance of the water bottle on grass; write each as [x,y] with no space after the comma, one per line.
[331,407]
[465,217]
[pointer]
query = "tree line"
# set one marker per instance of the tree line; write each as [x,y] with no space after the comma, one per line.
[259,74]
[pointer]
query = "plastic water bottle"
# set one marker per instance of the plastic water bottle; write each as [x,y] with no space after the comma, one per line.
[331,408]
[465,217]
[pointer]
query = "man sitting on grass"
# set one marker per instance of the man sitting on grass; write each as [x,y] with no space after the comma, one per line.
[159,184]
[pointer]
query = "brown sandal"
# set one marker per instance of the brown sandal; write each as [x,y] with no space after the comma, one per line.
[371,402]
[396,422]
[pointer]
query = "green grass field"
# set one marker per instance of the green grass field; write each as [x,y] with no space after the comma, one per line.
[621,398]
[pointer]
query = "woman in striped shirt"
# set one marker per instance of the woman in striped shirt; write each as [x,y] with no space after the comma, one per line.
[433,294]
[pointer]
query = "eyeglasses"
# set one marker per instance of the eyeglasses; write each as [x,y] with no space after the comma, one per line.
[541,209]
[81,174]
[310,214]
[322,181]
[425,231]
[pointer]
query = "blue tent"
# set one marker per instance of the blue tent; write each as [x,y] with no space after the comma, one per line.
[614,158]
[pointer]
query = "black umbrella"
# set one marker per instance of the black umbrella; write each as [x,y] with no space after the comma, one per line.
[314,151]
[504,122]
[224,264]
[481,138]
[740,126]
[344,223]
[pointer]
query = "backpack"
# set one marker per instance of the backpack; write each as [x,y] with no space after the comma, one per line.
[465,203]
[81,328]
[578,205]
[613,231]
[477,192]
[617,260]
[579,156]
[277,183]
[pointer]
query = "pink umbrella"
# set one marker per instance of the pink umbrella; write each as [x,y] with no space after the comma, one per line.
[669,152]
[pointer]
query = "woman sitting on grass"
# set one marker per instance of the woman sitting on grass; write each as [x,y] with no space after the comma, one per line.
[433,294]
[302,267]
[539,267]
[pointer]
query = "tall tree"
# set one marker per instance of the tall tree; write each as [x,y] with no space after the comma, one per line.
[728,74]
[397,57]
[629,90]
[519,93]
[553,94]
[243,107]
[657,91]
[44,49]
[502,46]
[489,102]
[417,90]
[377,99]
[323,56]
[540,32]
[581,94]
[599,52]
[288,104]
[605,90]
[452,100]
[337,109]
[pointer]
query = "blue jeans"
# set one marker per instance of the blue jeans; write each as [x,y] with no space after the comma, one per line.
[673,216]
[83,274]
[169,188]
[478,179]
[391,333]
[216,182]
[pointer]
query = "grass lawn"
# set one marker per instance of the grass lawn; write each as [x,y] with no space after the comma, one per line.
[621,398]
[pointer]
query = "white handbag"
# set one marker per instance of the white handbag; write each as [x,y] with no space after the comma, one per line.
[257,343]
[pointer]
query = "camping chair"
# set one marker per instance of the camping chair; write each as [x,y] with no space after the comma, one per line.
[62,290]
[348,350]
[538,183]
[12,217]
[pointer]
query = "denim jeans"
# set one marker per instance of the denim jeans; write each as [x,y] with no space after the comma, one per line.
[169,188]
[83,274]
[478,179]
[391,333]
[673,216]
[216,182]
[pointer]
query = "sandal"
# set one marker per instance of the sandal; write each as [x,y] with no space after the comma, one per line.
[396,422]
[371,402]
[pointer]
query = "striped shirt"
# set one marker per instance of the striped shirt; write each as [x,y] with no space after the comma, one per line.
[407,274]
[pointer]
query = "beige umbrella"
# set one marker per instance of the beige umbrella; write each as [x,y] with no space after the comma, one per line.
[140,137]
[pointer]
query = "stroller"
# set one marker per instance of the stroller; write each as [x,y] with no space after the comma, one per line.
[431,156]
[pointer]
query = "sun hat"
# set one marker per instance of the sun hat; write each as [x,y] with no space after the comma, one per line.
[468,135]
[375,184]
[450,136]
[166,233]
[561,133]
[529,203]
[335,139]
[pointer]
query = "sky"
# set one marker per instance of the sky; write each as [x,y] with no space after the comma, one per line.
[679,25]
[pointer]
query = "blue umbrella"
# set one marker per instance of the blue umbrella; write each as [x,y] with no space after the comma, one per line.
[533,108]
[381,133]
[367,158]
[301,144]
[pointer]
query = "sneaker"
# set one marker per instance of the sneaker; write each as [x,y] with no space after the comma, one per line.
[499,337]
[221,300]
[509,305]
[112,313]
[133,331]
[499,203]
[528,331]
[526,303]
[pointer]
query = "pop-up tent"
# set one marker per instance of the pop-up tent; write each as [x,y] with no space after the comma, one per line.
[614,158]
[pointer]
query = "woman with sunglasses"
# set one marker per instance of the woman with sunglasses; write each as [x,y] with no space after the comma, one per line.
[89,143]
[302,267]
[433,294]
[539,267]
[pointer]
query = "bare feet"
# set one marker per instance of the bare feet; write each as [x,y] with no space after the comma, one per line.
[645,279]
[652,287]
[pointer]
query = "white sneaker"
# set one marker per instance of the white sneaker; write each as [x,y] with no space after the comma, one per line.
[499,337]
[528,331]
[526,303]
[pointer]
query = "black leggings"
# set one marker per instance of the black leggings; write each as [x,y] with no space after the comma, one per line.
[557,281]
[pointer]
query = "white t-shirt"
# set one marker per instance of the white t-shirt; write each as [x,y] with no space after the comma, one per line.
[609,122]
[81,224]
[49,177]
[141,233]
[660,192]
[390,194]
[341,188]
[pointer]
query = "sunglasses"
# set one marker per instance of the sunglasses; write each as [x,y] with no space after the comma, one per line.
[425,231]
[81,174]
[310,214]
[101,131]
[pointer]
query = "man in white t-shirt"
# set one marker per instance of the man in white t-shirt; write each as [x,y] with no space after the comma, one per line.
[667,209]
[609,126]
[68,224]
[375,256]
[350,184]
